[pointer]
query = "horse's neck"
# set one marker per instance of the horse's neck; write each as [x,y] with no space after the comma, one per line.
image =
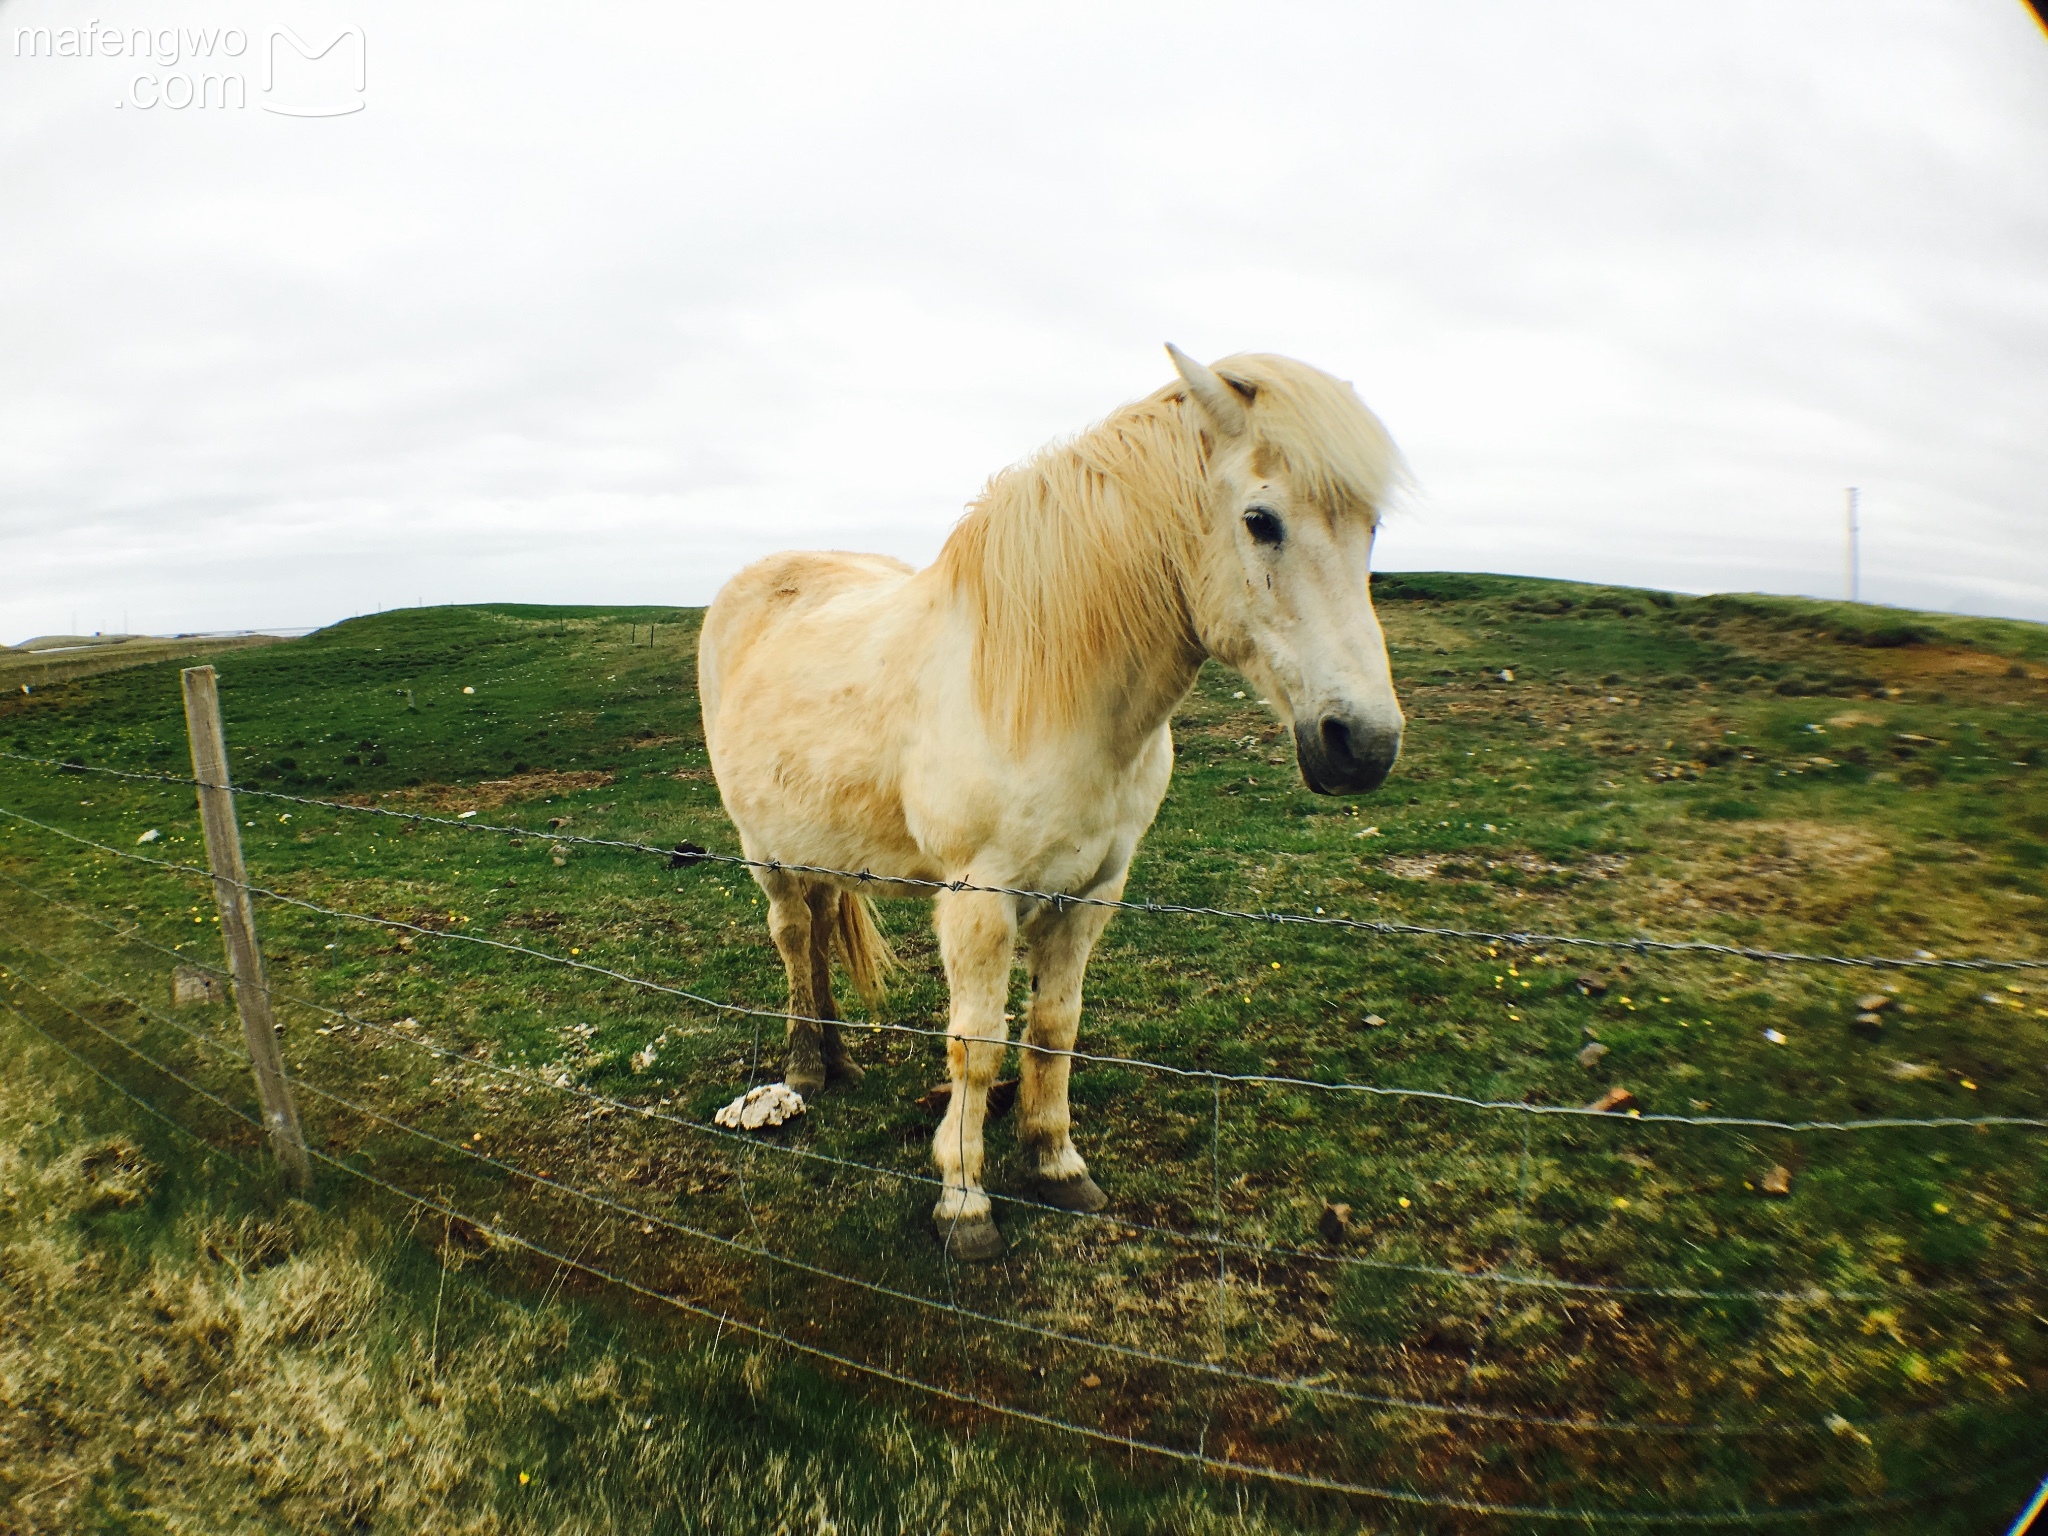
[1131,689]
[1139,696]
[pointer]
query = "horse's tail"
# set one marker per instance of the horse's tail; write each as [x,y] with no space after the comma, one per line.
[867,955]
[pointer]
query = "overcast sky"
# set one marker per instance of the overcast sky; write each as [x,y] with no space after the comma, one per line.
[595,304]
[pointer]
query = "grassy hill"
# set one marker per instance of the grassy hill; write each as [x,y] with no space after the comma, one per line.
[1602,761]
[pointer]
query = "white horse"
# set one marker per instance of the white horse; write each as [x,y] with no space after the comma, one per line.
[1001,717]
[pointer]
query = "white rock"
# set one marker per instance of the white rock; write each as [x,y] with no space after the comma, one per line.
[150,836]
[770,1104]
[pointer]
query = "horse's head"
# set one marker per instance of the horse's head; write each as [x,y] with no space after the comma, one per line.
[1297,469]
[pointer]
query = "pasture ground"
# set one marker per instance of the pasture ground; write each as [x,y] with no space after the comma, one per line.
[182,1349]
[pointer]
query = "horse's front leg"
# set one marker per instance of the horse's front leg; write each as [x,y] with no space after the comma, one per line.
[977,938]
[1058,945]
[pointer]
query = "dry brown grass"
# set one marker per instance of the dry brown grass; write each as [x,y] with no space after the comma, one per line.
[175,1357]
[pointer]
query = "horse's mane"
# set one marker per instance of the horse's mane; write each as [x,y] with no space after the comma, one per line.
[1078,558]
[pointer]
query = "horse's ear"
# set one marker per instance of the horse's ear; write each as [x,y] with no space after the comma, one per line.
[1223,407]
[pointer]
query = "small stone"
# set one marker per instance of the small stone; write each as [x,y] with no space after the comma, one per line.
[1592,986]
[191,986]
[152,835]
[1777,1182]
[1374,1021]
[1869,1025]
[1908,1071]
[1874,1002]
[559,854]
[1091,1381]
[1335,1224]
[1590,1056]
[1614,1101]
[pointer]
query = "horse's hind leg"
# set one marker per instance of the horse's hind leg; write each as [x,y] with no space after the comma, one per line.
[1059,944]
[824,904]
[977,938]
[789,924]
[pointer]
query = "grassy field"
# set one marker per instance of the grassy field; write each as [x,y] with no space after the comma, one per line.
[1589,760]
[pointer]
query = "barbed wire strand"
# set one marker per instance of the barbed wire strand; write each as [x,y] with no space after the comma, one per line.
[695,855]
[757,1250]
[1272,1080]
[1225,1465]
[1811,1295]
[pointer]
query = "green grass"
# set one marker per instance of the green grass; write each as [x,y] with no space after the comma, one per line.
[1759,771]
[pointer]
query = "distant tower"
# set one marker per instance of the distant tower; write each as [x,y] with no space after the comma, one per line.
[1851,554]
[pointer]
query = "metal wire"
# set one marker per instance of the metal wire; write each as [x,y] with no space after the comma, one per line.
[1813,1295]
[1400,1496]
[694,855]
[1430,1095]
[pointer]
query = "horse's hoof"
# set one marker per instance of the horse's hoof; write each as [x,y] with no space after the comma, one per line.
[846,1071]
[806,1077]
[971,1239]
[1080,1193]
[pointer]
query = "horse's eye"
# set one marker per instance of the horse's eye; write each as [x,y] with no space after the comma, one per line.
[1263,526]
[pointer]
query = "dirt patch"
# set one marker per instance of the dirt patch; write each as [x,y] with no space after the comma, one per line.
[1792,868]
[1932,661]
[1422,631]
[1430,866]
[1807,845]
[490,793]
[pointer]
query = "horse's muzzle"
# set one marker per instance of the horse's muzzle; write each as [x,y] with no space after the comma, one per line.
[1345,757]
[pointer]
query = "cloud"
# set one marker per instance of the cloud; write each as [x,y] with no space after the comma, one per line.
[597,307]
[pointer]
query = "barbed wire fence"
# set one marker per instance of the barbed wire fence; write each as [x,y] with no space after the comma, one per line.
[1217,1368]
[682,855]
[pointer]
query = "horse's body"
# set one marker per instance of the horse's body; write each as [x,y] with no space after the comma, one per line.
[1001,717]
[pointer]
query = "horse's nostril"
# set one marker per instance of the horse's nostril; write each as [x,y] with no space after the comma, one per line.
[1336,739]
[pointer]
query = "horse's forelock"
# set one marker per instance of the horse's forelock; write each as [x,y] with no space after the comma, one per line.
[1315,430]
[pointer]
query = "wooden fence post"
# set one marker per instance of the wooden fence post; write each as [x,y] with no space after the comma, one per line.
[238,921]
